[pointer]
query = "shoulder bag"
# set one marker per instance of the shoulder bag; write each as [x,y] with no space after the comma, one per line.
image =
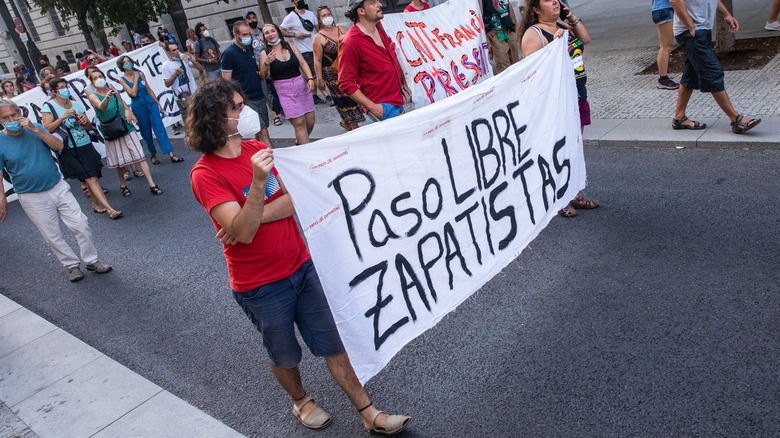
[115,127]
[308,25]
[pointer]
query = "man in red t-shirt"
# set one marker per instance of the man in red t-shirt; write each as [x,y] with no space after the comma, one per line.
[271,273]
[369,72]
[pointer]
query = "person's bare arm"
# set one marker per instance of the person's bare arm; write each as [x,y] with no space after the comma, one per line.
[227,74]
[530,42]
[3,203]
[728,18]
[304,66]
[316,48]
[241,223]
[512,16]
[373,108]
[131,91]
[149,90]
[50,123]
[681,10]
[578,28]
[169,81]
[51,141]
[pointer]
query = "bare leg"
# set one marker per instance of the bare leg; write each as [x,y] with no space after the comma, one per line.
[301,130]
[722,98]
[97,193]
[342,371]
[775,11]
[290,379]
[310,118]
[353,126]
[665,38]
[145,168]
[120,172]
[264,138]
[683,96]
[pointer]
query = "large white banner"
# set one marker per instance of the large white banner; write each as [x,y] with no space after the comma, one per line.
[442,50]
[407,218]
[147,59]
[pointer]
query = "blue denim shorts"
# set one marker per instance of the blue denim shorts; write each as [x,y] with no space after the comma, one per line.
[702,70]
[298,299]
[389,111]
[662,16]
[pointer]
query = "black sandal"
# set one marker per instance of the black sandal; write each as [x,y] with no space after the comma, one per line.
[154,160]
[175,159]
[125,191]
[156,190]
[678,124]
[138,173]
[737,127]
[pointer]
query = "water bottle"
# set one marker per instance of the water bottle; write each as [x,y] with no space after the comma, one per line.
[496,22]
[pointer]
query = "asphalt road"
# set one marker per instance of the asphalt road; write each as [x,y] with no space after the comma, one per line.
[654,315]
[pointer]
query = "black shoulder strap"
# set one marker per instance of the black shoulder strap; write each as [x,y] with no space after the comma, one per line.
[54,114]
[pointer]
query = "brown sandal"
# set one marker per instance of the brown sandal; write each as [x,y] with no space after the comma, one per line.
[567,211]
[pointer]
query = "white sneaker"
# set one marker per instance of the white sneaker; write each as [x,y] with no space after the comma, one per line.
[775,25]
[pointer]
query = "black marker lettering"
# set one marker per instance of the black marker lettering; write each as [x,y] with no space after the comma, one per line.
[336,184]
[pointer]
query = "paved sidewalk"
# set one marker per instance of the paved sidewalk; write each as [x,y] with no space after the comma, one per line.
[54,385]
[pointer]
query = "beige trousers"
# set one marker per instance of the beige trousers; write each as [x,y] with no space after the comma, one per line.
[46,208]
[504,53]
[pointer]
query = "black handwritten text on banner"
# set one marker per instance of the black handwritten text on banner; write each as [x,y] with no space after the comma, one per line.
[407,218]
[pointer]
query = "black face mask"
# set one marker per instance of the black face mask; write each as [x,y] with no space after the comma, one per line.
[299,4]
[252,24]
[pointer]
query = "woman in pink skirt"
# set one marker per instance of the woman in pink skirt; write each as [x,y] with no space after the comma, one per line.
[283,64]
[125,150]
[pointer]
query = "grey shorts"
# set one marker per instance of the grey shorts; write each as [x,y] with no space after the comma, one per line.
[261,109]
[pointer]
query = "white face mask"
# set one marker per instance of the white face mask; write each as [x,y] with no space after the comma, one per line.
[206,33]
[248,123]
[100,83]
[327,21]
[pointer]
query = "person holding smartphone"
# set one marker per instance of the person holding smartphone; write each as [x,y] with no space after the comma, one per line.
[126,150]
[78,159]
[546,20]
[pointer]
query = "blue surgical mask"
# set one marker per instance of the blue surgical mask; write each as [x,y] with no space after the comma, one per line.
[128,66]
[64,93]
[276,43]
[246,41]
[175,58]
[13,126]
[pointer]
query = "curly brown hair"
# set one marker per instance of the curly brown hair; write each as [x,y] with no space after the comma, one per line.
[531,17]
[204,129]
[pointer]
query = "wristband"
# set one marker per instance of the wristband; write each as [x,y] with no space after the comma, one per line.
[575,22]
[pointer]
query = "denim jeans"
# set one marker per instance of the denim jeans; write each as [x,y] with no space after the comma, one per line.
[274,308]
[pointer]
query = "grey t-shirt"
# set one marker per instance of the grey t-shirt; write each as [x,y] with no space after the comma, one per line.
[207,49]
[257,44]
[701,11]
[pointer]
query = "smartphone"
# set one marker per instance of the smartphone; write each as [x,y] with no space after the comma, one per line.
[564,11]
